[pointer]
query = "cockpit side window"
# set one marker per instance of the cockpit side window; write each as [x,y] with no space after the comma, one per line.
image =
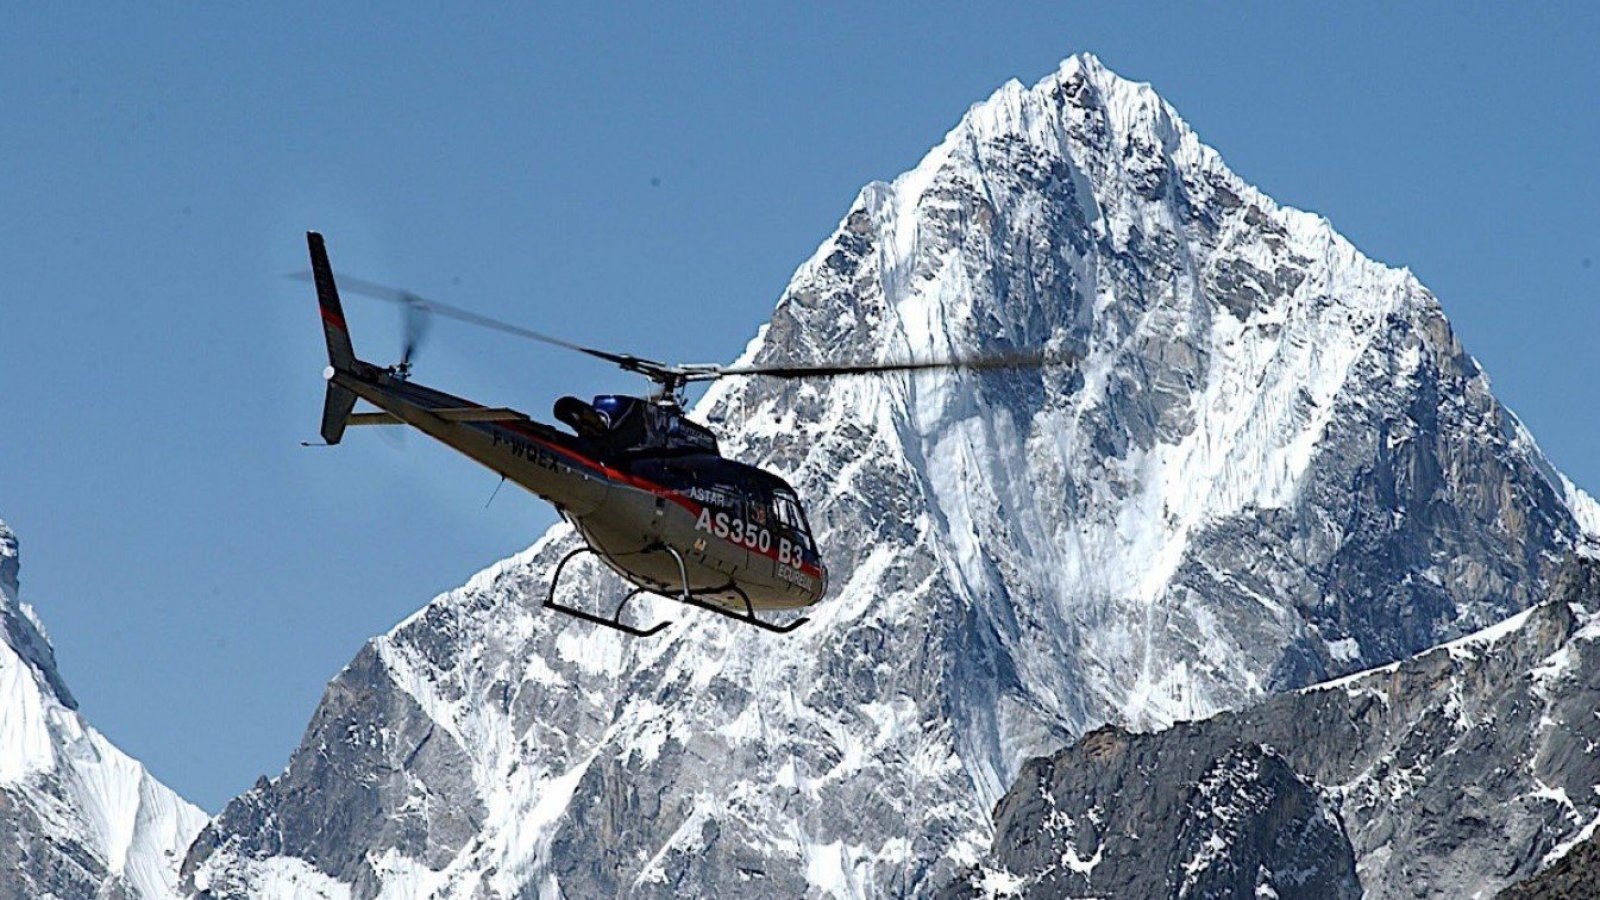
[786,507]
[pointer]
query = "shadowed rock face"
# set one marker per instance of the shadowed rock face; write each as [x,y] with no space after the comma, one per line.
[38,861]
[1454,773]
[1575,876]
[1270,464]
[10,563]
[402,782]
[1094,822]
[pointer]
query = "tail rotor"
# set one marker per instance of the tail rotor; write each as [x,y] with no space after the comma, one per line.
[417,323]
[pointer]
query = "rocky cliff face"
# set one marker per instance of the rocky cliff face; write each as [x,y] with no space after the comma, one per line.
[1452,774]
[1127,815]
[1575,876]
[1271,463]
[78,818]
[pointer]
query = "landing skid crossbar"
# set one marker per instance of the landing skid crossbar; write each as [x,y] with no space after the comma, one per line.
[616,616]
[685,595]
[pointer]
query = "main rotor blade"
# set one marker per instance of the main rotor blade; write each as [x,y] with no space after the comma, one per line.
[670,374]
[414,302]
[1024,360]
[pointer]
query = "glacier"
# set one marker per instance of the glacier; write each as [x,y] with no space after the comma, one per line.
[1263,461]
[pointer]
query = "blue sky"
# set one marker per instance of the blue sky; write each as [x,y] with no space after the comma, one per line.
[644,177]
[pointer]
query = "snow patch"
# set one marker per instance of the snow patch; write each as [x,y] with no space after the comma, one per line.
[279,878]
[1344,650]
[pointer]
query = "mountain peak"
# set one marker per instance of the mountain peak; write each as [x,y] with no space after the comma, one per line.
[1270,462]
[80,817]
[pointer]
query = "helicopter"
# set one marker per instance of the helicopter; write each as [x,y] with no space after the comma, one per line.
[646,488]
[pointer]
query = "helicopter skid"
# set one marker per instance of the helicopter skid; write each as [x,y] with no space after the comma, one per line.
[685,595]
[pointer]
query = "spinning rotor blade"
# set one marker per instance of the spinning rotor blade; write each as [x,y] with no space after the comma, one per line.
[1003,361]
[417,324]
[415,302]
[673,377]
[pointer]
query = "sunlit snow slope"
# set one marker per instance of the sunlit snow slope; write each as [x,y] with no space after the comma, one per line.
[78,818]
[1272,463]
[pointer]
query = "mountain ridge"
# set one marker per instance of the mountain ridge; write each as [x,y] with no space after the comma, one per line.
[1462,770]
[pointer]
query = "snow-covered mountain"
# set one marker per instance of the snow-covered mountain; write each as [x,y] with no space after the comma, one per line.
[1272,463]
[78,817]
[1452,774]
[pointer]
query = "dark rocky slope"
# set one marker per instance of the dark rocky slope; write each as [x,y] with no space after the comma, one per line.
[1452,774]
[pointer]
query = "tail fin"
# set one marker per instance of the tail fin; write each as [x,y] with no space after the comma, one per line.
[341,355]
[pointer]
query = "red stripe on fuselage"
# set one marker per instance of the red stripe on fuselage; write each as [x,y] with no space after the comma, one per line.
[607,471]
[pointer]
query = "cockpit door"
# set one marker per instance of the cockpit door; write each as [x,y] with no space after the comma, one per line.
[789,524]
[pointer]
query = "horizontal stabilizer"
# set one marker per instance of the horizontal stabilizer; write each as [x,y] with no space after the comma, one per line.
[336,412]
[479,414]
